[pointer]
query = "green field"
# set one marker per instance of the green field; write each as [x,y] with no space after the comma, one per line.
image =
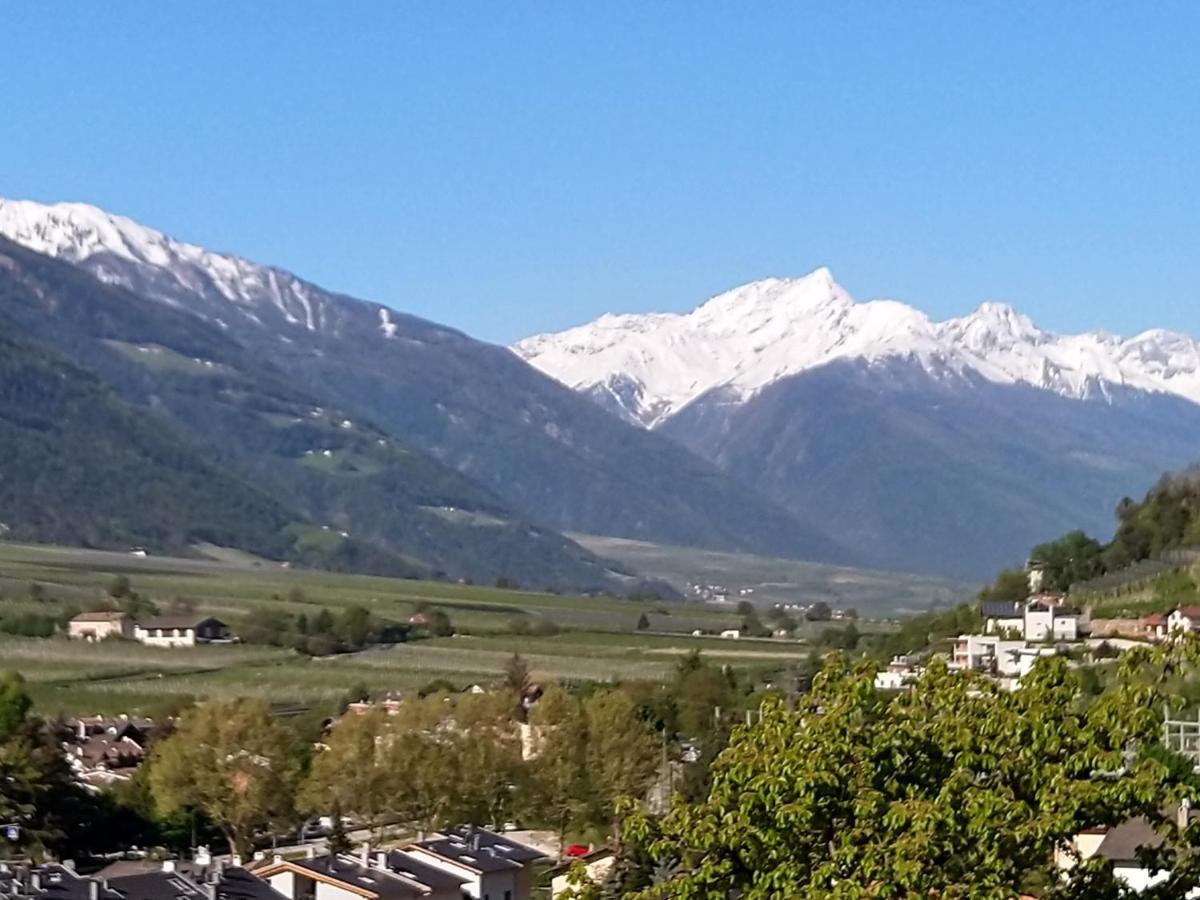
[598,640]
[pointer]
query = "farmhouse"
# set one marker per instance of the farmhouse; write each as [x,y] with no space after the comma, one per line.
[180,631]
[101,624]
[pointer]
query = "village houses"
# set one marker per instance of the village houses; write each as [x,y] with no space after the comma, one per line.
[186,630]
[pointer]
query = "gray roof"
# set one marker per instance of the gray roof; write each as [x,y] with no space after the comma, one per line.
[409,866]
[158,885]
[183,621]
[507,847]
[1120,844]
[386,885]
[481,859]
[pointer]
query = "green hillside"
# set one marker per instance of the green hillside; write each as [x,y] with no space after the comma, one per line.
[371,501]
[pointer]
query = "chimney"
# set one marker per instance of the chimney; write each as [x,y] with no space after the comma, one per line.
[366,855]
[475,840]
[1183,815]
[310,852]
[35,880]
[168,865]
[381,860]
[211,890]
[93,889]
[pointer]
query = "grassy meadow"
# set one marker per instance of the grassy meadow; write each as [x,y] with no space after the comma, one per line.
[597,637]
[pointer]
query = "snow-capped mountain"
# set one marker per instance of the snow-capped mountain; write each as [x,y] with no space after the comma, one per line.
[223,288]
[649,367]
[548,453]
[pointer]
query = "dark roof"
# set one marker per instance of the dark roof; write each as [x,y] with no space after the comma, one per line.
[158,885]
[410,866]
[481,859]
[506,846]
[239,884]
[1000,609]
[55,882]
[1120,844]
[183,621]
[365,878]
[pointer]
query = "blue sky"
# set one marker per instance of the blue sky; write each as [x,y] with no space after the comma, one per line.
[510,168]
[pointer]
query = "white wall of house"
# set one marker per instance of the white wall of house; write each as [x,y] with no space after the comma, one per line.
[999,625]
[473,887]
[1177,621]
[1038,625]
[98,631]
[333,892]
[166,637]
[1066,628]
[285,883]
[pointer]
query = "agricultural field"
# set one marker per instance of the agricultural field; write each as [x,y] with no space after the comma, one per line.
[596,637]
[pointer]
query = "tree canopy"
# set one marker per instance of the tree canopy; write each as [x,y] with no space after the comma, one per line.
[955,789]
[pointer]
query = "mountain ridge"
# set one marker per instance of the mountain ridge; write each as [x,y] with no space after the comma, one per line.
[747,338]
[551,455]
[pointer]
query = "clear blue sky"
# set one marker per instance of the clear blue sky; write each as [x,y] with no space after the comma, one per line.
[510,168]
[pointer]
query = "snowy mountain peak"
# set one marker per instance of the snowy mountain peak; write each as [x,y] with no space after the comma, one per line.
[228,290]
[648,367]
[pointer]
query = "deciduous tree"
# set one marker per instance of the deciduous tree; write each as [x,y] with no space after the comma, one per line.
[234,761]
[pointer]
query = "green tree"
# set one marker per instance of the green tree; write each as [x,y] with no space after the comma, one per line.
[119,586]
[233,761]
[819,612]
[955,789]
[14,704]
[623,752]
[560,791]
[351,772]
[516,676]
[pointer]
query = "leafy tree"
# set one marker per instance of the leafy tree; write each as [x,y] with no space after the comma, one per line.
[1072,558]
[516,676]
[745,608]
[337,842]
[351,773]
[623,753]
[819,612]
[14,704]
[322,622]
[354,627]
[119,587]
[560,791]
[955,789]
[235,762]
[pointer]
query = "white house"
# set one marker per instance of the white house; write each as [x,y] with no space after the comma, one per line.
[96,626]
[180,631]
[1183,619]
[492,866]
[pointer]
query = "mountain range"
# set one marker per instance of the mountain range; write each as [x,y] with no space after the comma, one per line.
[936,446]
[371,435]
